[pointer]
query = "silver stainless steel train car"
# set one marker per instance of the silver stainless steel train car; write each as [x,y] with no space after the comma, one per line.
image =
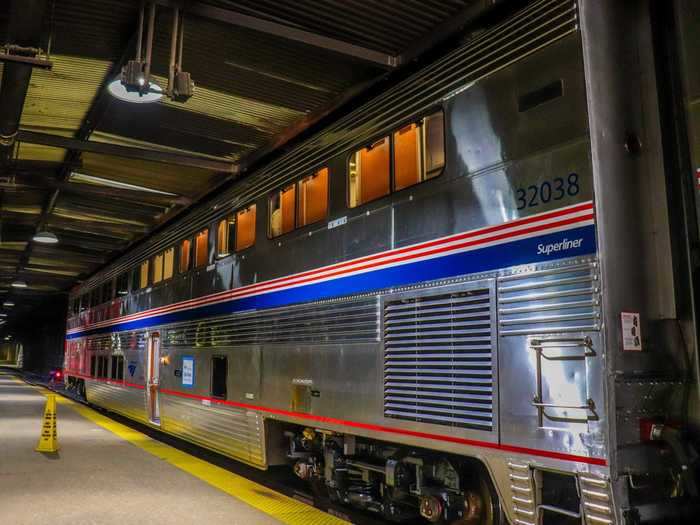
[468,300]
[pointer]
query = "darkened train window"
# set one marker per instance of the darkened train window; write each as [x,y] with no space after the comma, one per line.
[108,291]
[157,268]
[313,198]
[93,366]
[245,228]
[224,236]
[117,370]
[185,255]
[201,248]
[282,204]
[168,263]
[368,173]
[433,145]
[219,371]
[143,274]
[135,279]
[123,284]
[102,364]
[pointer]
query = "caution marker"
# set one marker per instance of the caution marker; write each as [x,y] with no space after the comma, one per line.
[48,442]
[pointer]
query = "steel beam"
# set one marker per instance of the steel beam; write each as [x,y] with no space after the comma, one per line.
[103,148]
[269,27]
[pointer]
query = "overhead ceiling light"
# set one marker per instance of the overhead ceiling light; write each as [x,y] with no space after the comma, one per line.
[118,90]
[3,314]
[19,284]
[99,181]
[45,237]
[8,304]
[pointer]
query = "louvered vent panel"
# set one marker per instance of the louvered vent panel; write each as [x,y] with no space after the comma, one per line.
[438,353]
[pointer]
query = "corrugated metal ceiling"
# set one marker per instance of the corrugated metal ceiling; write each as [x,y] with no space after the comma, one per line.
[253,91]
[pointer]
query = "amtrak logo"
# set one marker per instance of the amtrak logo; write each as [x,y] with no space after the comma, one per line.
[566,244]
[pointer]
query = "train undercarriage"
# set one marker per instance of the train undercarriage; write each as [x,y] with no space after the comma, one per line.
[399,483]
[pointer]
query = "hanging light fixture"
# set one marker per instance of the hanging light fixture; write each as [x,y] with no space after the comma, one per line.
[8,304]
[19,283]
[45,237]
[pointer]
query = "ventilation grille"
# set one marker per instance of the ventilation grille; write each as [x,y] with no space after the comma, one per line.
[438,359]
[551,301]
[346,322]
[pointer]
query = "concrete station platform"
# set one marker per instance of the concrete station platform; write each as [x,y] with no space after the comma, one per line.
[108,473]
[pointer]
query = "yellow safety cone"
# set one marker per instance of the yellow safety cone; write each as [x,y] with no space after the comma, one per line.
[48,442]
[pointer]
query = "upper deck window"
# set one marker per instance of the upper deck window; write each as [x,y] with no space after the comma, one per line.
[369,172]
[143,274]
[201,248]
[433,145]
[123,284]
[282,204]
[185,255]
[157,268]
[168,263]
[224,236]
[407,165]
[313,198]
[245,228]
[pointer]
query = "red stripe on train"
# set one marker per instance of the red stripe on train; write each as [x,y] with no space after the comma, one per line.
[367,426]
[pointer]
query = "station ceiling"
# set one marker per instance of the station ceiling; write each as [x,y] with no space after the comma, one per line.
[102,174]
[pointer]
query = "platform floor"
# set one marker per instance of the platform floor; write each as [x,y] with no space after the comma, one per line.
[107,473]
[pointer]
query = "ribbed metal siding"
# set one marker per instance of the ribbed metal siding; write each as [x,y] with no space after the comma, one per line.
[347,322]
[538,26]
[438,359]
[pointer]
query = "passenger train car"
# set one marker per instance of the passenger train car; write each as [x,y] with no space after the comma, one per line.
[463,301]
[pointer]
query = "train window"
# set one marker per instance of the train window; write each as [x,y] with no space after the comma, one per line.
[224,236]
[168,263]
[93,366]
[282,204]
[185,255]
[219,371]
[135,279]
[123,284]
[313,198]
[157,268]
[117,370]
[245,228]
[369,173]
[143,274]
[201,248]
[433,144]
[102,364]
[407,165]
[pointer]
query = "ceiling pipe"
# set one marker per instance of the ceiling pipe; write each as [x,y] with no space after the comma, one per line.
[24,29]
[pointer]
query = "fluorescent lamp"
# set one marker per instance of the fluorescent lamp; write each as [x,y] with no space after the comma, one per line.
[117,90]
[45,237]
[19,284]
[8,304]
[99,181]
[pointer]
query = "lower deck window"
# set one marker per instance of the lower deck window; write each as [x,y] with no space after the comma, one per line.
[219,372]
[117,370]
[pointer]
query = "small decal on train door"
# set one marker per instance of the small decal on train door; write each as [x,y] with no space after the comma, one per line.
[188,371]
[631,332]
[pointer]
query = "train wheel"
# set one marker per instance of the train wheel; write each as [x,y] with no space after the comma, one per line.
[481,505]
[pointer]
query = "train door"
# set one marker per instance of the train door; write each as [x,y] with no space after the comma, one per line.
[153,378]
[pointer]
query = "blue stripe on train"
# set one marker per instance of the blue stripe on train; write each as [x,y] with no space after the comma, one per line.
[524,251]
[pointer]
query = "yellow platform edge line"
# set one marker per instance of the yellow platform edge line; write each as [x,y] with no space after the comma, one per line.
[281,507]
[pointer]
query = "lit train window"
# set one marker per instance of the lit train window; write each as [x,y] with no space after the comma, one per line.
[168,263]
[143,273]
[282,204]
[369,173]
[201,248]
[185,255]
[224,236]
[313,198]
[157,268]
[407,164]
[245,228]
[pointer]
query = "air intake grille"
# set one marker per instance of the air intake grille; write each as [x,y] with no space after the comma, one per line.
[438,359]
